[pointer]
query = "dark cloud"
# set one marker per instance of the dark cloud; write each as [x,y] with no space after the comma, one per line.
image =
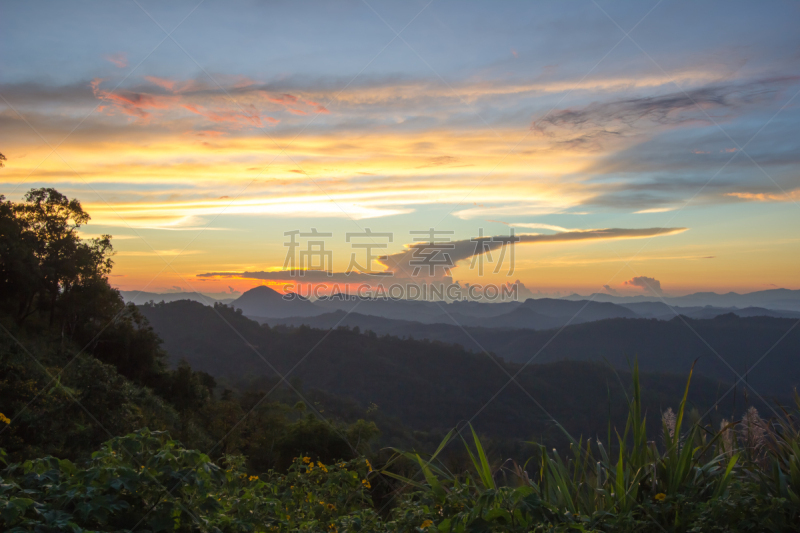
[663,171]
[410,263]
[300,276]
[523,292]
[411,259]
[610,289]
[648,284]
[43,94]
[660,191]
[669,109]
[590,142]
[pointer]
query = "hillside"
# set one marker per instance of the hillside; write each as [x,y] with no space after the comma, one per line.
[660,345]
[427,385]
[265,302]
[722,345]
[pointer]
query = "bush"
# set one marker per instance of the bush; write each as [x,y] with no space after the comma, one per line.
[147,482]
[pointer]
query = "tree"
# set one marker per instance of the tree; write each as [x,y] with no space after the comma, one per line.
[47,267]
[20,276]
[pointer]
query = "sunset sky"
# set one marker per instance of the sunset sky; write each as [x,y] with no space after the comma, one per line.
[199,133]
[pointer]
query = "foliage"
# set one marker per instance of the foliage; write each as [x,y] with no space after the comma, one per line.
[147,482]
[693,482]
[78,366]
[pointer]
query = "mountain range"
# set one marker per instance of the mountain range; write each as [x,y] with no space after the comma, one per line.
[778,299]
[141,297]
[265,304]
[431,385]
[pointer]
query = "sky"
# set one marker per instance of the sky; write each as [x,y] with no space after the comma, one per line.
[630,147]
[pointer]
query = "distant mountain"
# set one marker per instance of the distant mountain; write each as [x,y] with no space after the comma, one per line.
[785,299]
[538,314]
[268,303]
[430,386]
[585,311]
[418,310]
[139,297]
[534,314]
[543,313]
[339,318]
[662,311]
[660,345]
[427,312]
[724,346]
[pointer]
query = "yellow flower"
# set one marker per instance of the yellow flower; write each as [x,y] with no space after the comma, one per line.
[660,497]
[331,507]
[306,460]
[366,483]
[4,418]
[253,478]
[369,466]
[426,524]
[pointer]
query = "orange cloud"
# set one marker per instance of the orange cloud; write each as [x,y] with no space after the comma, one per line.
[162,82]
[132,103]
[137,104]
[233,117]
[789,196]
[319,108]
[120,59]
[287,100]
[206,133]
[283,99]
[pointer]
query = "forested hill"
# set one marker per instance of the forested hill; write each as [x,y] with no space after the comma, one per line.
[78,366]
[427,385]
[767,349]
